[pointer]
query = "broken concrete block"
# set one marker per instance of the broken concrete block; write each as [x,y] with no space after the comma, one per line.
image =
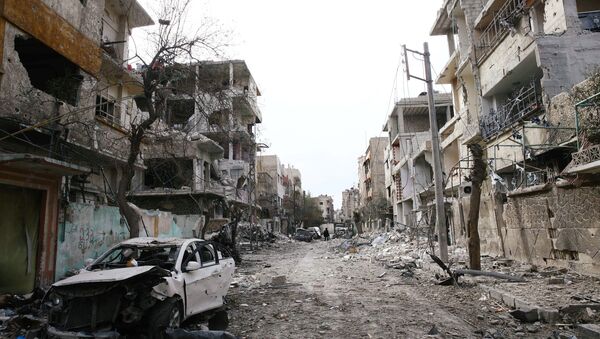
[278,280]
[528,315]
[588,331]
[508,299]
[577,308]
[549,315]
[556,281]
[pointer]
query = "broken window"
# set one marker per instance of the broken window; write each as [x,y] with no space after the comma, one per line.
[179,112]
[219,118]
[49,71]
[105,108]
[169,173]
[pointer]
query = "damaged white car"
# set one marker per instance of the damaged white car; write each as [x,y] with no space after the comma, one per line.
[140,287]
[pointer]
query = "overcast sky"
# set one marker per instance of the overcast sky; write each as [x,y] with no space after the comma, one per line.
[326,70]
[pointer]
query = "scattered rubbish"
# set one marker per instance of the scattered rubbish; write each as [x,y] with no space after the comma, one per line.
[381,275]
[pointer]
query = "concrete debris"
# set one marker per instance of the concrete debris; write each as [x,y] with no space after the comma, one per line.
[433,331]
[21,315]
[188,334]
[278,280]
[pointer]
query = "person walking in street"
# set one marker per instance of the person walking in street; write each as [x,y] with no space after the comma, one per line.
[326,234]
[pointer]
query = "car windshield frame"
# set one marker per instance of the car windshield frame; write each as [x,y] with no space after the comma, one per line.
[118,259]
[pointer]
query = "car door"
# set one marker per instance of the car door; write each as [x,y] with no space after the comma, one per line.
[195,298]
[210,264]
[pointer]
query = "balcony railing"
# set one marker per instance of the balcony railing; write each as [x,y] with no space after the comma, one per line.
[527,101]
[586,156]
[505,20]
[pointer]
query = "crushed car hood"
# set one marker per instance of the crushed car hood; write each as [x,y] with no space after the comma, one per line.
[112,275]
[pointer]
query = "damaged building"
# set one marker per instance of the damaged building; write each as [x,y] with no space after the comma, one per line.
[205,157]
[66,96]
[408,166]
[517,70]
[371,184]
[69,100]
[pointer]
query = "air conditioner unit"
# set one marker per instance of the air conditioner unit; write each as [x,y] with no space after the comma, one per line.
[465,188]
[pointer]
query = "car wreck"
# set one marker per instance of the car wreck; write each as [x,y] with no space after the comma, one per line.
[140,287]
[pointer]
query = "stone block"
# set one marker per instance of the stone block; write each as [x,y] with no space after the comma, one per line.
[528,315]
[549,315]
[278,280]
[588,331]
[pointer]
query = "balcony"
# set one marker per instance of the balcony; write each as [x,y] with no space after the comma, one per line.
[247,106]
[503,22]
[525,102]
[586,160]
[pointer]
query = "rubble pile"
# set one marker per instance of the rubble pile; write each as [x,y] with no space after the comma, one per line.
[254,232]
[394,250]
[22,315]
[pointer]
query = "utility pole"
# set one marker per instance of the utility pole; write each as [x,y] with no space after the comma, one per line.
[440,217]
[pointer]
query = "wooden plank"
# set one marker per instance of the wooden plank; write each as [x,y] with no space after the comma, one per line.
[44,24]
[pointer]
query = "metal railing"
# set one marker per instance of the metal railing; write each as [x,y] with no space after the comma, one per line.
[525,102]
[503,22]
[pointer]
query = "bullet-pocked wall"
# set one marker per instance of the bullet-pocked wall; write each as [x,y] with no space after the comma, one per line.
[555,227]
[87,230]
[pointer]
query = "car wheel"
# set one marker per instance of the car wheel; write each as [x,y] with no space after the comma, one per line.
[166,314]
[219,321]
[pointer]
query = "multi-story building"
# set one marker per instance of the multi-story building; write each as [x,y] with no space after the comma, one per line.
[65,110]
[511,65]
[409,184]
[325,204]
[293,200]
[273,193]
[371,184]
[208,149]
[350,204]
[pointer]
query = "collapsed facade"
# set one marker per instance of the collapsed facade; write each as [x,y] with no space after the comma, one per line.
[207,155]
[515,69]
[66,95]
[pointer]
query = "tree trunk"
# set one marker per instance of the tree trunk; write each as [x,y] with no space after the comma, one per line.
[128,212]
[205,227]
[477,177]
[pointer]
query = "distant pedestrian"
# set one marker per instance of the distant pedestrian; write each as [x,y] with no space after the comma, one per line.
[326,234]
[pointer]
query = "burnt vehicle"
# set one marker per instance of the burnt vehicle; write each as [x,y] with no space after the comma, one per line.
[316,232]
[342,231]
[139,288]
[303,235]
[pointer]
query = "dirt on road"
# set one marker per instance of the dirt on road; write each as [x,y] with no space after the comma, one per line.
[309,290]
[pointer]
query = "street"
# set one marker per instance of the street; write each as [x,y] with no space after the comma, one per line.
[327,296]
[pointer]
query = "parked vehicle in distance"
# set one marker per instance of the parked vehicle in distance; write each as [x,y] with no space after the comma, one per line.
[342,231]
[142,285]
[303,235]
[316,232]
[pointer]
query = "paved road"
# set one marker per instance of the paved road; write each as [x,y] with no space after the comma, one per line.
[326,296]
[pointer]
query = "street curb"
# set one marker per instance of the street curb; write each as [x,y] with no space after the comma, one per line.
[536,313]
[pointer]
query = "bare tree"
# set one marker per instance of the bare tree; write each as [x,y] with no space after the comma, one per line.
[174,51]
